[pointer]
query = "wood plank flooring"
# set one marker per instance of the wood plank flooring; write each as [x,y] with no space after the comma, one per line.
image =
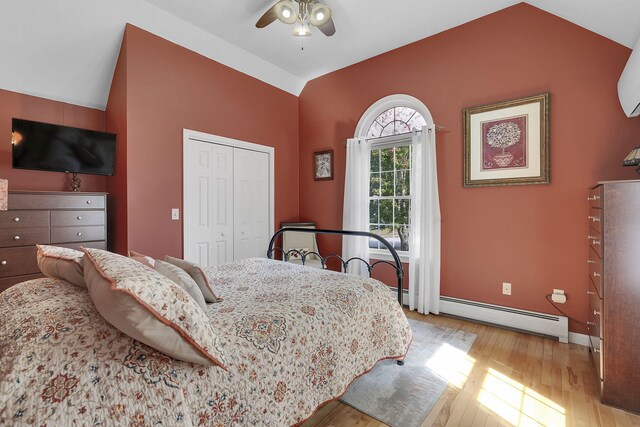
[516,379]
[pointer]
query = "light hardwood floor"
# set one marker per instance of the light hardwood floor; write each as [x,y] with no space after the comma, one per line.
[514,379]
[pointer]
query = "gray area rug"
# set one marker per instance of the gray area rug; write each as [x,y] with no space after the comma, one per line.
[402,396]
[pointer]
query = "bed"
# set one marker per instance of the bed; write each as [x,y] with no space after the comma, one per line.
[294,338]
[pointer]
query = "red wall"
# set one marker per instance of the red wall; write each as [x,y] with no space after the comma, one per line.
[531,236]
[116,121]
[21,106]
[169,88]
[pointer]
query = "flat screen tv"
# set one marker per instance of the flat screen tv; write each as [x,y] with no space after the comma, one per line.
[42,146]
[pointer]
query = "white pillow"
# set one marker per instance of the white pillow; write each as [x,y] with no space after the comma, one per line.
[150,308]
[182,279]
[61,263]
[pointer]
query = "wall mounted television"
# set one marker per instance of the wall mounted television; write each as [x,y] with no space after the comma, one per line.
[47,147]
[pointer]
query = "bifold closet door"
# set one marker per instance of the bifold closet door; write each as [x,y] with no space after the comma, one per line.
[251,203]
[208,201]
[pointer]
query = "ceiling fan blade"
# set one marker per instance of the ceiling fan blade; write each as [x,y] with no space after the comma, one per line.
[268,17]
[328,29]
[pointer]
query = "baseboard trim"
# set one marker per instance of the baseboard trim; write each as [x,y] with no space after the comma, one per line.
[580,339]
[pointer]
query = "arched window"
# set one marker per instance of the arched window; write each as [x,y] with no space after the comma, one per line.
[383,124]
[394,121]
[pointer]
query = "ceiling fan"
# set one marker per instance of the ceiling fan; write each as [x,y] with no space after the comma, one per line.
[302,13]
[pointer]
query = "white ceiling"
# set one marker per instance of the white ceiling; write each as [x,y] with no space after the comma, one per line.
[66,50]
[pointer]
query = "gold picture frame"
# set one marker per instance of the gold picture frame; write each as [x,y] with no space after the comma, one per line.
[507,143]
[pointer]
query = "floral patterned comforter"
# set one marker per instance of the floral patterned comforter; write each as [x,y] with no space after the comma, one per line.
[293,338]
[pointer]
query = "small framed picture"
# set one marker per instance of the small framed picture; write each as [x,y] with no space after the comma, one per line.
[323,165]
[507,143]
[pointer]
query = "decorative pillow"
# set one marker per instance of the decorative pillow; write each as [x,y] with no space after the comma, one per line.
[144,259]
[150,308]
[297,253]
[197,275]
[61,263]
[182,279]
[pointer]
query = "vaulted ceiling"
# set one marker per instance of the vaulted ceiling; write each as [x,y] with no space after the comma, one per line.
[66,50]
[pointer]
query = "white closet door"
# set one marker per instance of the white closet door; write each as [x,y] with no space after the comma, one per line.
[208,201]
[251,203]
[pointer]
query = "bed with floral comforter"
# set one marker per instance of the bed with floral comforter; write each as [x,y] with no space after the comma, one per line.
[293,338]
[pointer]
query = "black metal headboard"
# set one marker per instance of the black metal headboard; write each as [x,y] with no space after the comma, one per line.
[397,265]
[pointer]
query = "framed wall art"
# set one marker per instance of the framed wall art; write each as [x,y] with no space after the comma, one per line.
[507,143]
[323,165]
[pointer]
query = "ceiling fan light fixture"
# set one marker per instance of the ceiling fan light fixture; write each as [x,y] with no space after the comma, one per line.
[302,30]
[320,14]
[286,12]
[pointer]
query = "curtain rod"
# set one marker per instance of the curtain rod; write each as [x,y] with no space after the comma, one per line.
[438,128]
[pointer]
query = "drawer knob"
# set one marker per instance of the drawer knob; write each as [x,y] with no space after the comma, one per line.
[16,237]
[596,313]
[79,233]
[593,198]
[88,202]
[596,274]
[590,261]
[590,293]
[3,263]
[78,217]
[16,219]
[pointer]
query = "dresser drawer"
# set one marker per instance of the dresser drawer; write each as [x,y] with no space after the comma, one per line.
[20,219]
[17,261]
[75,218]
[55,201]
[24,236]
[77,234]
[596,351]
[595,241]
[595,197]
[594,217]
[595,313]
[595,271]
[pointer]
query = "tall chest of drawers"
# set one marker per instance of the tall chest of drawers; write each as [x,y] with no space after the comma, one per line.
[58,218]
[614,290]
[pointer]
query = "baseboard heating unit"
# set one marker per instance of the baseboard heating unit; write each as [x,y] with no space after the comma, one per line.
[527,321]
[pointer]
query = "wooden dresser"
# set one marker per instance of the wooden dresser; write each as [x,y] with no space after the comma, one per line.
[614,290]
[58,218]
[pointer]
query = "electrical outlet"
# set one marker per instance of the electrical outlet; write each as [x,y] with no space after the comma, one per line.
[506,288]
[175,214]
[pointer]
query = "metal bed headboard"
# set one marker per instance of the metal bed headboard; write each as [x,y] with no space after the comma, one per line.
[397,265]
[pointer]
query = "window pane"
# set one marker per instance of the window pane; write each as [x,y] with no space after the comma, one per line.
[400,127]
[386,157]
[403,157]
[374,130]
[401,237]
[386,231]
[375,160]
[401,213]
[373,243]
[374,185]
[386,184]
[386,211]
[374,216]
[403,183]
[386,117]
[404,113]
[388,130]
[417,121]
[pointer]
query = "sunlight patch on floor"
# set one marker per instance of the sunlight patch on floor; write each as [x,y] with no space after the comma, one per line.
[452,364]
[517,404]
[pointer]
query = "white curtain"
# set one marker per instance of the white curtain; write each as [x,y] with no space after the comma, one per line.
[424,254]
[356,205]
